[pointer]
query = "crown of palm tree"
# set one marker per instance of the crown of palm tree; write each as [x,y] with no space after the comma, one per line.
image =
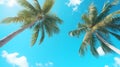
[103,24]
[46,21]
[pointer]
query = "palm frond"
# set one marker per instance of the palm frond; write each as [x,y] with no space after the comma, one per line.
[80,29]
[92,13]
[42,35]
[26,13]
[47,6]
[92,45]
[85,42]
[106,8]
[105,48]
[115,35]
[86,19]
[77,32]
[82,48]
[53,18]
[116,20]
[35,35]
[27,5]
[37,6]
[109,17]
[13,20]
[51,27]
[113,27]
[82,25]
[105,36]
[104,32]
[51,24]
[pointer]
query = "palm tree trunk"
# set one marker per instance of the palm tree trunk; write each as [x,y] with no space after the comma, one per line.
[109,45]
[12,35]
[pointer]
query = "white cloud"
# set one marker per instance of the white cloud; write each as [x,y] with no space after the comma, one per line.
[14,60]
[106,66]
[117,61]
[48,64]
[1,1]
[100,51]
[9,3]
[74,4]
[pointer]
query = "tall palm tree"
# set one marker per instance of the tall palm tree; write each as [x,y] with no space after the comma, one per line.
[35,17]
[98,27]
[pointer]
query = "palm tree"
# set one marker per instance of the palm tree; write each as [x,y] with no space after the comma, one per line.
[98,28]
[34,17]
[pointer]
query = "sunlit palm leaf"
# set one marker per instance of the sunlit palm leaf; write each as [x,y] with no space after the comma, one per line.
[47,6]
[106,8]
[92,13]
[37,6]
[109,18]
[81,28]
[26,13]
[13,20]
[34,37]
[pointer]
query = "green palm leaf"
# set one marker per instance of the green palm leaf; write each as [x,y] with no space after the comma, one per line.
[47,6]
[105,48]
[82,48]
[13,20]
[106,8]
[42,35]
[115,35]
[93,45]
[86,18]
[26,13]
[37,6]
[92,13]
[35,35]
[85,42]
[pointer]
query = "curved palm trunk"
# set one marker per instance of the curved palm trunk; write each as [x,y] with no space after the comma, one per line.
[12,35]
[109,45]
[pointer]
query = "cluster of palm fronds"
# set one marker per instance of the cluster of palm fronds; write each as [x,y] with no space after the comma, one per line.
[40,19]
[98,25]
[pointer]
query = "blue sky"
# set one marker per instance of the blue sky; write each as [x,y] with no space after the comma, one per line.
[61,50]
